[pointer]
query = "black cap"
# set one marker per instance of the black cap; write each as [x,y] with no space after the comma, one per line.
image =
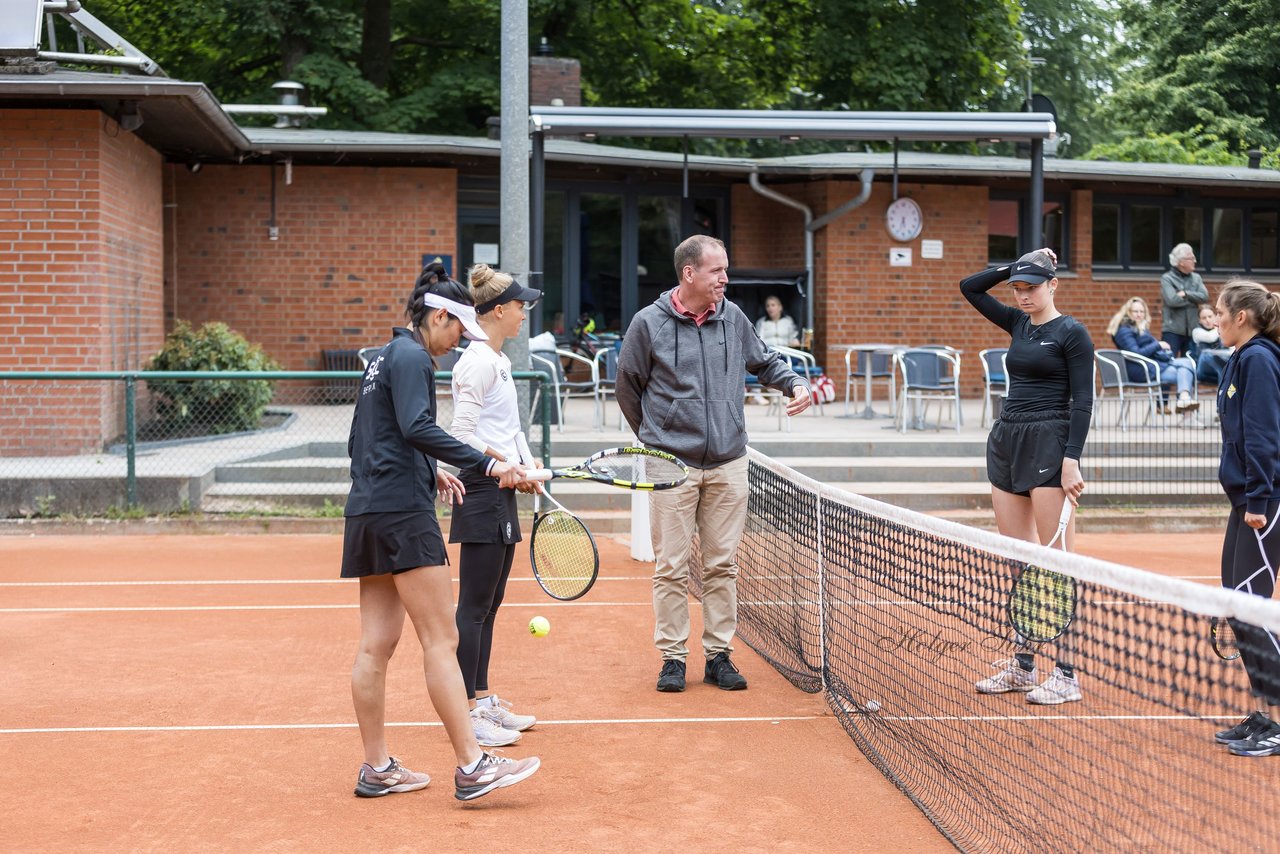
[1032,274]
[514,291]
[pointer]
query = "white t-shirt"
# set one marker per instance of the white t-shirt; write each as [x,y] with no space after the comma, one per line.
[780,332]
[485,412]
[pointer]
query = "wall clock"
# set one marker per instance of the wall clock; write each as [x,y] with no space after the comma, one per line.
[904,220]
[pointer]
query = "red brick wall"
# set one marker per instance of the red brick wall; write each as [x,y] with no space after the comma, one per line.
[861,299]
[80,275]
[350,245]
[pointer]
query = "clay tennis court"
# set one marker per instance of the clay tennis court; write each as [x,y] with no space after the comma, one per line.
[192,693]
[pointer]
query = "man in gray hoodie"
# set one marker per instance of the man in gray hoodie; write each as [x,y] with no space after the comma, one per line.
[680,387]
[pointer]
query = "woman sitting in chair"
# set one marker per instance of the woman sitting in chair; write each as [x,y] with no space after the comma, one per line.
[776,328]
[1128,329]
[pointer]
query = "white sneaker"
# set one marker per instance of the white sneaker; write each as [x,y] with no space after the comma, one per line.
[488,732]
[1056,689]
[1011,678]
[501,712]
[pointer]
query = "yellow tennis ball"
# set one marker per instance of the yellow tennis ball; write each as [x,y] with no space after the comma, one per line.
[539,626]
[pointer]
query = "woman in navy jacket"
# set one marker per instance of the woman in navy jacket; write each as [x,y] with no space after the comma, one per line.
[1249,405]
[1128,329]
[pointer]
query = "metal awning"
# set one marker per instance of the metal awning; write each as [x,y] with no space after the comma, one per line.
[791,124]
[545,121]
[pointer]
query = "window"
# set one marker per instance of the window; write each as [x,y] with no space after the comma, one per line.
[1106,234]
[1228,238]
[1144,243]
[1138,233]
[1262,241]
[1007,237]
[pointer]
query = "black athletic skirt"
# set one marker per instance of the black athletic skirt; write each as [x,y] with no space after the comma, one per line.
[382,543]
[487,515]
[1024,450]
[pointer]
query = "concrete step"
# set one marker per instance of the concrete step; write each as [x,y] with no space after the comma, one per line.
[309,469]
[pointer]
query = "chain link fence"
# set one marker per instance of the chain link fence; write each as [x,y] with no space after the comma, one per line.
[127,443]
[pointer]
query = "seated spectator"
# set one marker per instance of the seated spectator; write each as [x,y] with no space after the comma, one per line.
[1206,347]
[775,328]
[1128,329]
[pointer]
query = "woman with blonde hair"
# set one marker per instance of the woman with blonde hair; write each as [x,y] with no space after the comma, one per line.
[1128,329]
[486,417]
[1249,471]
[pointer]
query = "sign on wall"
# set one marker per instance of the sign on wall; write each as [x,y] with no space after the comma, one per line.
[900,256]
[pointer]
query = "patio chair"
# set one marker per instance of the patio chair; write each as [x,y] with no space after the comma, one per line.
[927,375]
[1113,374]
[995,381]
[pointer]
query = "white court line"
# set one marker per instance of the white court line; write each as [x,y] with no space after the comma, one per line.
[992,718]
[352,725]
[550,603]
[232,582]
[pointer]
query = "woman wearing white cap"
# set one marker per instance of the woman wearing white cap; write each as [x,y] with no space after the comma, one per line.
[1033,451]
[392,541]
[486,416]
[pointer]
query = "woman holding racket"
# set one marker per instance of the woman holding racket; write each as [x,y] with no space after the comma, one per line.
[1249,471]
[392,541]
[487,417]
[1033,451]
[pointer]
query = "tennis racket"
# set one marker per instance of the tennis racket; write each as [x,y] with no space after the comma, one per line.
[1223,637]
[629,468]
[1042,603]
[563,552]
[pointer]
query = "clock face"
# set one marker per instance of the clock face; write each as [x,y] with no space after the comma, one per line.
[904,220]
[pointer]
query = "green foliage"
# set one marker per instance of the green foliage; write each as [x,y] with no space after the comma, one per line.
[209,406]
[1194,148]
[444,55]
[1210,68]
[1076,40]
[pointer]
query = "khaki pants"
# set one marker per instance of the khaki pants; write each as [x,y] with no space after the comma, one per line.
[715,500]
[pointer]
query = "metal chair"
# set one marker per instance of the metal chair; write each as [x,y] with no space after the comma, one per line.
[995,381]
[606,360]
[553,362]
[1113,373]
[881,366]
[805,364]
[927,375]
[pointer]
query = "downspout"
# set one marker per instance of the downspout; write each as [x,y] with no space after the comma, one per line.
[812,225]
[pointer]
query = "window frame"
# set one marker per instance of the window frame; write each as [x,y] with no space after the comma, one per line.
[1205,262]
[1063,199]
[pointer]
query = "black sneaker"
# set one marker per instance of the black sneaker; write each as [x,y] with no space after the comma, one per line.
[721,672]
[671,678]
[1264,742]
[1256,722]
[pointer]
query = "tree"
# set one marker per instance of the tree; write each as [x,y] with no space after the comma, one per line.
[1076,40]
[1208,70]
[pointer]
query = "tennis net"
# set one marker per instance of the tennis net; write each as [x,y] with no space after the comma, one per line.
[895,616]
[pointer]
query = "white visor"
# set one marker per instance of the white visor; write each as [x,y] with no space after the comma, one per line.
[464,313]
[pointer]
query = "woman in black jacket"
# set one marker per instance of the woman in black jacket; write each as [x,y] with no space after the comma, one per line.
[1249,471]
[392,541]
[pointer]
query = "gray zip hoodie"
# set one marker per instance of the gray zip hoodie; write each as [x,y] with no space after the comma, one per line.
[680,386]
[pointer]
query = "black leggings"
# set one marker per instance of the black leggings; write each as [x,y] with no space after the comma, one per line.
[1249,560]
[483,569]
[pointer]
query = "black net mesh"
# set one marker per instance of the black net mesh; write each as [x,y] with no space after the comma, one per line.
[897,617]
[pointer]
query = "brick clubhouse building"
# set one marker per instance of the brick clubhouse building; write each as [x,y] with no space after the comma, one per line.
[127,203]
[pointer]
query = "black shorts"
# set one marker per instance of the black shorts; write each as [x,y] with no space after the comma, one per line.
[1024,450]
[488,513]
[382,543]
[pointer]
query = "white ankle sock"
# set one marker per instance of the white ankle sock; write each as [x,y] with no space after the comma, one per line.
[469,769]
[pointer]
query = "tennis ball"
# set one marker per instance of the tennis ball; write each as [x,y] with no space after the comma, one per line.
[873,705]
[539,626]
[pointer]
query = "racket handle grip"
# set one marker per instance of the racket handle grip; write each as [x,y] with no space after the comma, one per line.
[537,474]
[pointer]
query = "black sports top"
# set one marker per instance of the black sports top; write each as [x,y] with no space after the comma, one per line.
[395,441]
[1050,366]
